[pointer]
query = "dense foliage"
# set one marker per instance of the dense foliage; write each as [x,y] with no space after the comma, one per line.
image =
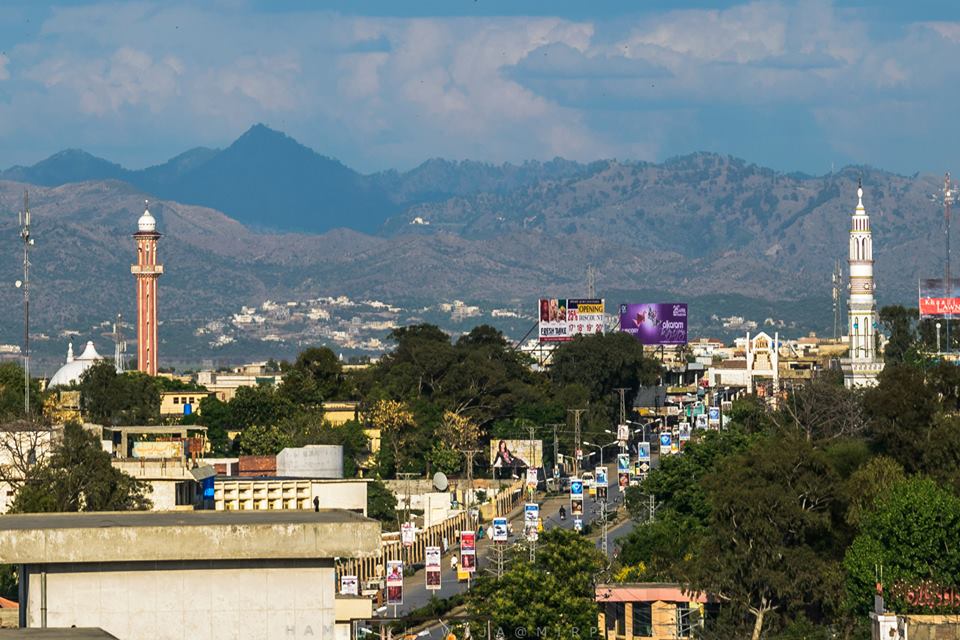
[789,514]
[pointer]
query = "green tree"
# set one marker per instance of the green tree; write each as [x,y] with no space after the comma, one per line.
[769,547]
[111,398]
[269,440]
[382,504]
[911,534]
[79,477]
[900,325]
[873,480]
[11,392]
[261,405]
[316,376]
[215,416]
[554,593]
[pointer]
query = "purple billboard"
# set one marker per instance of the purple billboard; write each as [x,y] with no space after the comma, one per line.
[656,323]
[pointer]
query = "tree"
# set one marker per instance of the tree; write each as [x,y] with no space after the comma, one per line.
[911,533]
[79,477]
[395,421]
[875,479]
[902,343]
[257,440]
[11,392]
[23,446]
[316,376]
[111,398]
[261,405]
[822,411]
[382,504]
[555,593]
[769,541]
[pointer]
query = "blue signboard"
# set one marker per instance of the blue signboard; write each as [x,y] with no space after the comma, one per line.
[576,488]
[665,440]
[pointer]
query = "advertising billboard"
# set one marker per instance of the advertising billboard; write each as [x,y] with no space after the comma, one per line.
[468,551]
[349,585]
[408,534]
[516,454]
[655,323]
[561,319]
[531,521]
[500,530]
[937,300]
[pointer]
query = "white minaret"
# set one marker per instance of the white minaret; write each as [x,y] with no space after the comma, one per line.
[863,364]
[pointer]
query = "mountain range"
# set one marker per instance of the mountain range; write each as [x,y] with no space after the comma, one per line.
[268,217]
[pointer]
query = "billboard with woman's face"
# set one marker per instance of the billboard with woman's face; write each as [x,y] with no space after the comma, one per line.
[511,454]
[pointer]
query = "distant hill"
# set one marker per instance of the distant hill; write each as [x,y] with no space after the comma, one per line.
[736,238]
[268,180]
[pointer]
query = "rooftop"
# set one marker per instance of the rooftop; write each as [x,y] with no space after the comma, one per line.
[72,633]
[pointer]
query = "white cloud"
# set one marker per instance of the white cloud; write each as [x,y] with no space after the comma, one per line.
[4,73]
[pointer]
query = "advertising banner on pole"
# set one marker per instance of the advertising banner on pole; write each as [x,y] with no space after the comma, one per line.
[408,534]
[643,451]
[395,582]
[600,482]
[701,421]
[576,488]
[713,416]
[532,477]
[576,507]
[561,319]
[578,524]
[623,433]
[468,551]
[431,562]
[665,440]
[349,586]
[656,323]
[500,530]
[531,518]
[623,462]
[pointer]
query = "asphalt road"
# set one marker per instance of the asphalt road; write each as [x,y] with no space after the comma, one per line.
[415,593]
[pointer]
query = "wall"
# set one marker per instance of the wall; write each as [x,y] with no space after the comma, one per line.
[271,494]
[191,601]
[311,461]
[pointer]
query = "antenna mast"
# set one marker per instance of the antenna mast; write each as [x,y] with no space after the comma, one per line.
[947,289]
[27,243]
[837,287]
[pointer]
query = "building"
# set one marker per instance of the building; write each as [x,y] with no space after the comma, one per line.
[651,611]
[147,271]
[74,367]
[182,403]
[225,385]
[339,412]
[862,365]
[185,575]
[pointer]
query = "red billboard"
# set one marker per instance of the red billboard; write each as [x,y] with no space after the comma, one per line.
[937,300]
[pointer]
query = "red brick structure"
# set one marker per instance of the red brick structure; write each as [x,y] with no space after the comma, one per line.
[146,271]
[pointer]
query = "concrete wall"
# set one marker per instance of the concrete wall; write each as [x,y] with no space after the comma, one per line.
[191,601]
[274,494]
[312,461]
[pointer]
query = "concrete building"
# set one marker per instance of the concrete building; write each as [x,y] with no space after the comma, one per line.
[274,494]
[225,385]
[147,271]
[179,403]
[185,576]
[311,461]
[650,611]
[340,412]
[862,365]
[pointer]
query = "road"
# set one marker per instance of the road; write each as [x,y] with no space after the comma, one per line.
[415,593]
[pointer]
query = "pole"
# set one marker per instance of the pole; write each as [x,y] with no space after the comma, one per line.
[947,195]
[556,448]
[576,439]
[27,242]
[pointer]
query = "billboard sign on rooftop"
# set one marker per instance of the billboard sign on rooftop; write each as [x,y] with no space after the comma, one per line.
[937,300]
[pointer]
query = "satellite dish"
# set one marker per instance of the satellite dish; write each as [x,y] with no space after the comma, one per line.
[440,482]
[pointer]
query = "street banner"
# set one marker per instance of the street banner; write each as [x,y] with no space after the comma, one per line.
[531,518]
[656,323]
[576,506]
[432,565]
[561,319]
[623,462]
[714,416]
[499,530]
[665,440]
[349,586]
[532,477]
[643,451]
[576,489]
[624,480]
[701,421]
[578,525]
[395,582]
[675,447]
[600,476]
[623,433]
[468,551]
[408,534]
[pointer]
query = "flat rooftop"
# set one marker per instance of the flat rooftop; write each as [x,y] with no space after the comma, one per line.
[71,633]
[134,536]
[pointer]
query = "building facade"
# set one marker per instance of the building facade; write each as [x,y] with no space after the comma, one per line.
[862,365]
[147,271]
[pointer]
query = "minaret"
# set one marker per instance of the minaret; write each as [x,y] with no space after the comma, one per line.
[146,271]
[862,364]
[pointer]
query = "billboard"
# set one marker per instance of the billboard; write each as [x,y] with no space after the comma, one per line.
[349,586]
[562,319]
[937,300]
[408,534]
[468,551]
[514,454]
[531,521]
[655,323]
[500,530]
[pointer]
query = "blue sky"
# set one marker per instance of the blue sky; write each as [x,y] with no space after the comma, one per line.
[798,86]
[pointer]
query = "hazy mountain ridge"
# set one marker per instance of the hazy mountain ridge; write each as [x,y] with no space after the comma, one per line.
[702,226]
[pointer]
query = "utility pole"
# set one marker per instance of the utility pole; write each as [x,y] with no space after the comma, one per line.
[468,499]
[576,439]
[499,557]
[603,522]
[591,281]
[948,290]
[27,243]
[623,403]
[837,288]
[556,447]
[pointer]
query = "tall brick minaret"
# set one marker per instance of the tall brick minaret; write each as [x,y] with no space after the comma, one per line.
[146,271]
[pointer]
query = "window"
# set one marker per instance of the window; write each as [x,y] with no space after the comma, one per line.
[176,400]
[642,620]
[621,617]
[687,617]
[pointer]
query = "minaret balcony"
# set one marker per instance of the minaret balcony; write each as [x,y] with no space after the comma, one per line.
[146,269]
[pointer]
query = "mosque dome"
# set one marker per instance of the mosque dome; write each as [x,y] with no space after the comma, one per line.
[147,222]
[70,372]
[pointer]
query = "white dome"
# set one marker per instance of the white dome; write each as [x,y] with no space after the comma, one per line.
[147,222]
[70,372]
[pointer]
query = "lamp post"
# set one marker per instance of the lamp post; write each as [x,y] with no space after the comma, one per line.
[601,447]
[938,338]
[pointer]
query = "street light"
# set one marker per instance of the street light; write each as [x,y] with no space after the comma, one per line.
[643,427]
[601,448]
[938,338]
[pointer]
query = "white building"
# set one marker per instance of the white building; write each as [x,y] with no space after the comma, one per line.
[862,365]
[70,372]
